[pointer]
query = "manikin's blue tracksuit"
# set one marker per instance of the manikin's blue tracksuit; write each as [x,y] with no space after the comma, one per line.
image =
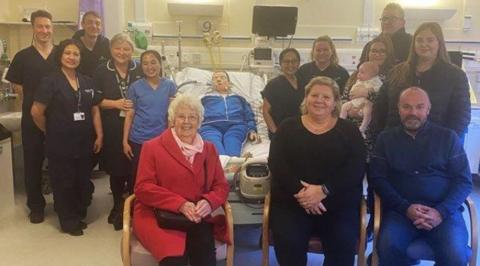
[228,118]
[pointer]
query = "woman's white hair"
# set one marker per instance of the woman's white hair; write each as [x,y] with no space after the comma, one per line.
[188,100]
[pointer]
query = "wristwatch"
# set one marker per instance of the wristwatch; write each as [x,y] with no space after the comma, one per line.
[325,190]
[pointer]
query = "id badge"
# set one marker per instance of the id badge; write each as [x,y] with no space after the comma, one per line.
[122,113]
[78,116]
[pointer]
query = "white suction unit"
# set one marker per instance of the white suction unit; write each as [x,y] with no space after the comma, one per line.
[255,179]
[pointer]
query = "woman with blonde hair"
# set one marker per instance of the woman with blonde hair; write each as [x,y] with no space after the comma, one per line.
[317,161]
[112,80]
[324,63]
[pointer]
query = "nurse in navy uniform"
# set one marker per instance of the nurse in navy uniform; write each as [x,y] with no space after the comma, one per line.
[66,109]
[112,80]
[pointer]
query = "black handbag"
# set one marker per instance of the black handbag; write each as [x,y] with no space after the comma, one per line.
[177,221]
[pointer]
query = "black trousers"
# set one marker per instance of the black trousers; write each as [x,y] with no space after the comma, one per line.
[117,186]
[72,189]
[136,149]
[292,228]
[33,141]
[200,248]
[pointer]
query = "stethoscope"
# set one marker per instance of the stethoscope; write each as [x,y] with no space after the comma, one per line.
[122,83]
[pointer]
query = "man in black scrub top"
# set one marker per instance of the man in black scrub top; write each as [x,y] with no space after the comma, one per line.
[94,47]
[28,68]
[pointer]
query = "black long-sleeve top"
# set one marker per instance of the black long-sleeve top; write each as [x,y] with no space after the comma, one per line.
[335,158]
[448,89]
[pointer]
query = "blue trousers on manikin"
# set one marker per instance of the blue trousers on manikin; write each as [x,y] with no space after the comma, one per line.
[227,137]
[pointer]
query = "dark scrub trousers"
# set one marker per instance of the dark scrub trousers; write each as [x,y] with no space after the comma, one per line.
[27,69]
[69,144]
[111,86]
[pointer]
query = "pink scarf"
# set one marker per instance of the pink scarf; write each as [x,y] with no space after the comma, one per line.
[189,150]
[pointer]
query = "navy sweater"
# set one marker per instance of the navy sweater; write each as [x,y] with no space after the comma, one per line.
[431,169]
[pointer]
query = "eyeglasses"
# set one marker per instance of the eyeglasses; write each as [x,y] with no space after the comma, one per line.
[387,19]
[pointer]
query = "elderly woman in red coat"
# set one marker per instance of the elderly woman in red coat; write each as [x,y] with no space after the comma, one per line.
[171,176]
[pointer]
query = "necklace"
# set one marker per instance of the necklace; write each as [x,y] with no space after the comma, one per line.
[318,127]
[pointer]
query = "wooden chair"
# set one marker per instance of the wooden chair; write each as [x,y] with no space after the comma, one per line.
[133,253]
[315,244]
[419,249]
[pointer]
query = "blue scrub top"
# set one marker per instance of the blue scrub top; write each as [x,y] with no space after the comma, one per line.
[151,106]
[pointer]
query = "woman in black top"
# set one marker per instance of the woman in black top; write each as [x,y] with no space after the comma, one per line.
[428,67]
[317,163]
[66,110]
[324,63]
[112,80]
[282,96]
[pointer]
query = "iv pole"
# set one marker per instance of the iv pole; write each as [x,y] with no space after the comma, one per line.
[179,52]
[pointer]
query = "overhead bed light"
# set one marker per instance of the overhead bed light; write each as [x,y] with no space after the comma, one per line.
[209,8]
[429,14]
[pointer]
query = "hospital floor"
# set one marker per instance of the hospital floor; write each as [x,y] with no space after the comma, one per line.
[26,244]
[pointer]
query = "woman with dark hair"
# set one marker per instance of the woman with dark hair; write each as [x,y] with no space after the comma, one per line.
[66,110]
[317,162]
[428,67]
[324,63]
[150,97]
[379,51]
[282,95]
[112,80]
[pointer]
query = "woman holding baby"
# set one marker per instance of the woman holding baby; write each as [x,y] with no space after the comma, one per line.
[377,52]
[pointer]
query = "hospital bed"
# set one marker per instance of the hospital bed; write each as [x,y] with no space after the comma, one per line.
[251,169]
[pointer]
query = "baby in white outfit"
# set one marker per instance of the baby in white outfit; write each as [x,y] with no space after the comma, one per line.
[367,82]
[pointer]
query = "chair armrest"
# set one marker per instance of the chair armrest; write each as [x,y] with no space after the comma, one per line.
[126,231]
[362,242]
[472,211]
[266,229]
[377,215]
[229,221]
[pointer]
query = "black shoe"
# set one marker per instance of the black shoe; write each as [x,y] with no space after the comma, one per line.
[112,215]
[75,232]
[118,222]
[37,217]
[83,225]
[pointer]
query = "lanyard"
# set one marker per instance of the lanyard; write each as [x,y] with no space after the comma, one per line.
[122,83]
[79,98]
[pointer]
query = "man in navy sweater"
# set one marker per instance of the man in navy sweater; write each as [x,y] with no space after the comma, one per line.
[421,173]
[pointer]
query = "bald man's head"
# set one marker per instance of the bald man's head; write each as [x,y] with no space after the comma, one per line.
[413,108]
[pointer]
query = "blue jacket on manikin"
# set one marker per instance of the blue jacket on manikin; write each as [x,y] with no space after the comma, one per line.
[229,107]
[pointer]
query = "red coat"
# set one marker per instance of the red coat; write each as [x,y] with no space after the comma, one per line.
[166,180]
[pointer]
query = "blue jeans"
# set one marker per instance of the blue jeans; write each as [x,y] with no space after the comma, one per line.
[448,240]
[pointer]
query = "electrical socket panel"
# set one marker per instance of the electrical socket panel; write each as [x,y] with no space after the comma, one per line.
[365,34]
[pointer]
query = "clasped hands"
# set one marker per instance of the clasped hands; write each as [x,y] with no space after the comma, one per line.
[196,212]
[310,198]
[424,217]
